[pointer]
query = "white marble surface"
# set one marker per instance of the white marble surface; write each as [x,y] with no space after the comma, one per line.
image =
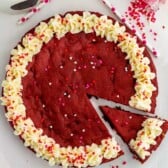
[12,152]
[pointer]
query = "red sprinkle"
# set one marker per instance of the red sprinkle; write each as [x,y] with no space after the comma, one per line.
[144,41]
[46,1]
[115,167]
[123,20]
[23,19]
[155,53]
[155,34]
[163,27]
[124,162]
[134,31]
[113,9]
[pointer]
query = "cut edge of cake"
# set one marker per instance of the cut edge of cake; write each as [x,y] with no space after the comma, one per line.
[145,133]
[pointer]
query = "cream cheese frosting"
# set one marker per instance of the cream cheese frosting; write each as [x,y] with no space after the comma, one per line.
[146,137]
[58,26]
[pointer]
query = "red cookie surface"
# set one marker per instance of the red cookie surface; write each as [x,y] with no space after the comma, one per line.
[61,78]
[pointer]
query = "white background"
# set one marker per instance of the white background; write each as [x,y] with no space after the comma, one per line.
[12,152]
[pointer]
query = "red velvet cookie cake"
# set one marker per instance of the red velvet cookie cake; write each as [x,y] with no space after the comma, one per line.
[54,70]
[143,134]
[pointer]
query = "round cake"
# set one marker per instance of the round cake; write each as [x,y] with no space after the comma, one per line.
[54,70]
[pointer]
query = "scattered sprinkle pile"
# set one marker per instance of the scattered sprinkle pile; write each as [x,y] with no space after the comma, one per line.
[138,9]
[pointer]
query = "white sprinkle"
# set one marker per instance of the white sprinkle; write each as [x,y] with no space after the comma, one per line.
[93,67]
[105,41]
[75,62]
[83,130]
[69,96]
[130,117]
[65,115]
[43,105]
[50,83]
[65,93]
[74,70]
[51,126]
[70,58]
[61,67]
[94,40]
[71,134]
[75,115]
[118,96]
[91,63]
[126,69]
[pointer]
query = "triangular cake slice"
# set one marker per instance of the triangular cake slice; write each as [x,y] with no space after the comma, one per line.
[143,134]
